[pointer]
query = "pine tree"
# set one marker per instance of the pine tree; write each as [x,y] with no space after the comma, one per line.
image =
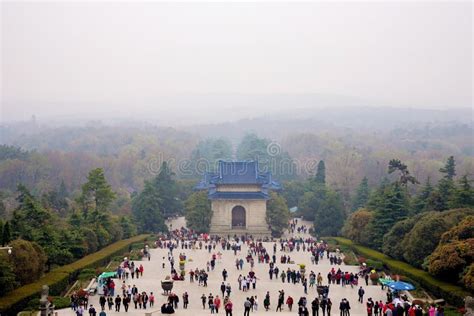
[7,234]
[2,209]
[463,195]
[393,209]
[421,201]
[167,190]
[362,195]
[449,169]
[97,194]
[146,210]
[320,177]
[329,217]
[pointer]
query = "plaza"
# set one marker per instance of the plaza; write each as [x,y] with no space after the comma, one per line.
[154,273]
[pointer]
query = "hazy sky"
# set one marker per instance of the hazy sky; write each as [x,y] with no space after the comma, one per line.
[117,58]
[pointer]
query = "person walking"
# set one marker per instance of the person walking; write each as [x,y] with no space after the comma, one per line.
[228,308]
[315,307]
[247,306]
[361,293]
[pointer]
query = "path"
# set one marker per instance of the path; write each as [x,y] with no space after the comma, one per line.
[154,274]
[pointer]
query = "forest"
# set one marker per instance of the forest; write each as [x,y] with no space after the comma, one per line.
[69,190]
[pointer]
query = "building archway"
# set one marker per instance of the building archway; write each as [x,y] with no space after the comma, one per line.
[238,217]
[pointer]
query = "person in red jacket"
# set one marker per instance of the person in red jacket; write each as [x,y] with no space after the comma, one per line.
[289,302]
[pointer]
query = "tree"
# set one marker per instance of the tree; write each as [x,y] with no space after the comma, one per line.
[454,255]
[444,193]
[392,245]
[312,201]
[293,193]
[97,194]
[146,210]
[28,260]
[449,169]
[355,227]
[320,177]
[463,195]
[167,190]
[405,177]
[7,234]
[420,203]
[393,209]
[277,215]
[362,195]
[3,209]
[128,228]
[329,217]
[7,275]
[198,212]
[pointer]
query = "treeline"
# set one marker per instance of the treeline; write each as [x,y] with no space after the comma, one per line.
[53,230]
[432,230]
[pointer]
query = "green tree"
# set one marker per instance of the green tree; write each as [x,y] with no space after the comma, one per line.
[312,202]
[393,209]
[320,177]
[167,191]
[198,212]
[97,194]
[449,169]
[6,234]
[7,275]
[278,214]
[420,202]
[362,195]
[404,175]
[392,245]
[128,228]
[208,152]
[446,188]
[329,217]
[293,193]
[3,210]
[146,210]
[463,195]
[28,260]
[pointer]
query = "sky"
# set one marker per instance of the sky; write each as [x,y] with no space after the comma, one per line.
[160,59]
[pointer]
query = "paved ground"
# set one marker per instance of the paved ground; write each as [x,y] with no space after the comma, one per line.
[154,273]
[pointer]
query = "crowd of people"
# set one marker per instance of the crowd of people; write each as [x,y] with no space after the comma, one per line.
[248,252]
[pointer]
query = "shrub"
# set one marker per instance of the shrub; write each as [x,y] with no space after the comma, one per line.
[451,293]
[59,278]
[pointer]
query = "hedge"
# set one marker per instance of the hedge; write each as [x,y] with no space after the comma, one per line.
[59,278]
[453,294]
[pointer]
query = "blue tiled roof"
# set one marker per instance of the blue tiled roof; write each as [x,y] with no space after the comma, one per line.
[238,196]
[238,172]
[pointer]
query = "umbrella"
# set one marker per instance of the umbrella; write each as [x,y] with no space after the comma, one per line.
[385,281]
[401,286]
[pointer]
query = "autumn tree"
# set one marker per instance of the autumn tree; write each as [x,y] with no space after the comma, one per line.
[28,260]
[355,227]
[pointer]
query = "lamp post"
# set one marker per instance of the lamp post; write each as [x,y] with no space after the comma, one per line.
[7,248]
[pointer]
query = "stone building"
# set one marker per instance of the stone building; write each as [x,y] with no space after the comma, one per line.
[238,192]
